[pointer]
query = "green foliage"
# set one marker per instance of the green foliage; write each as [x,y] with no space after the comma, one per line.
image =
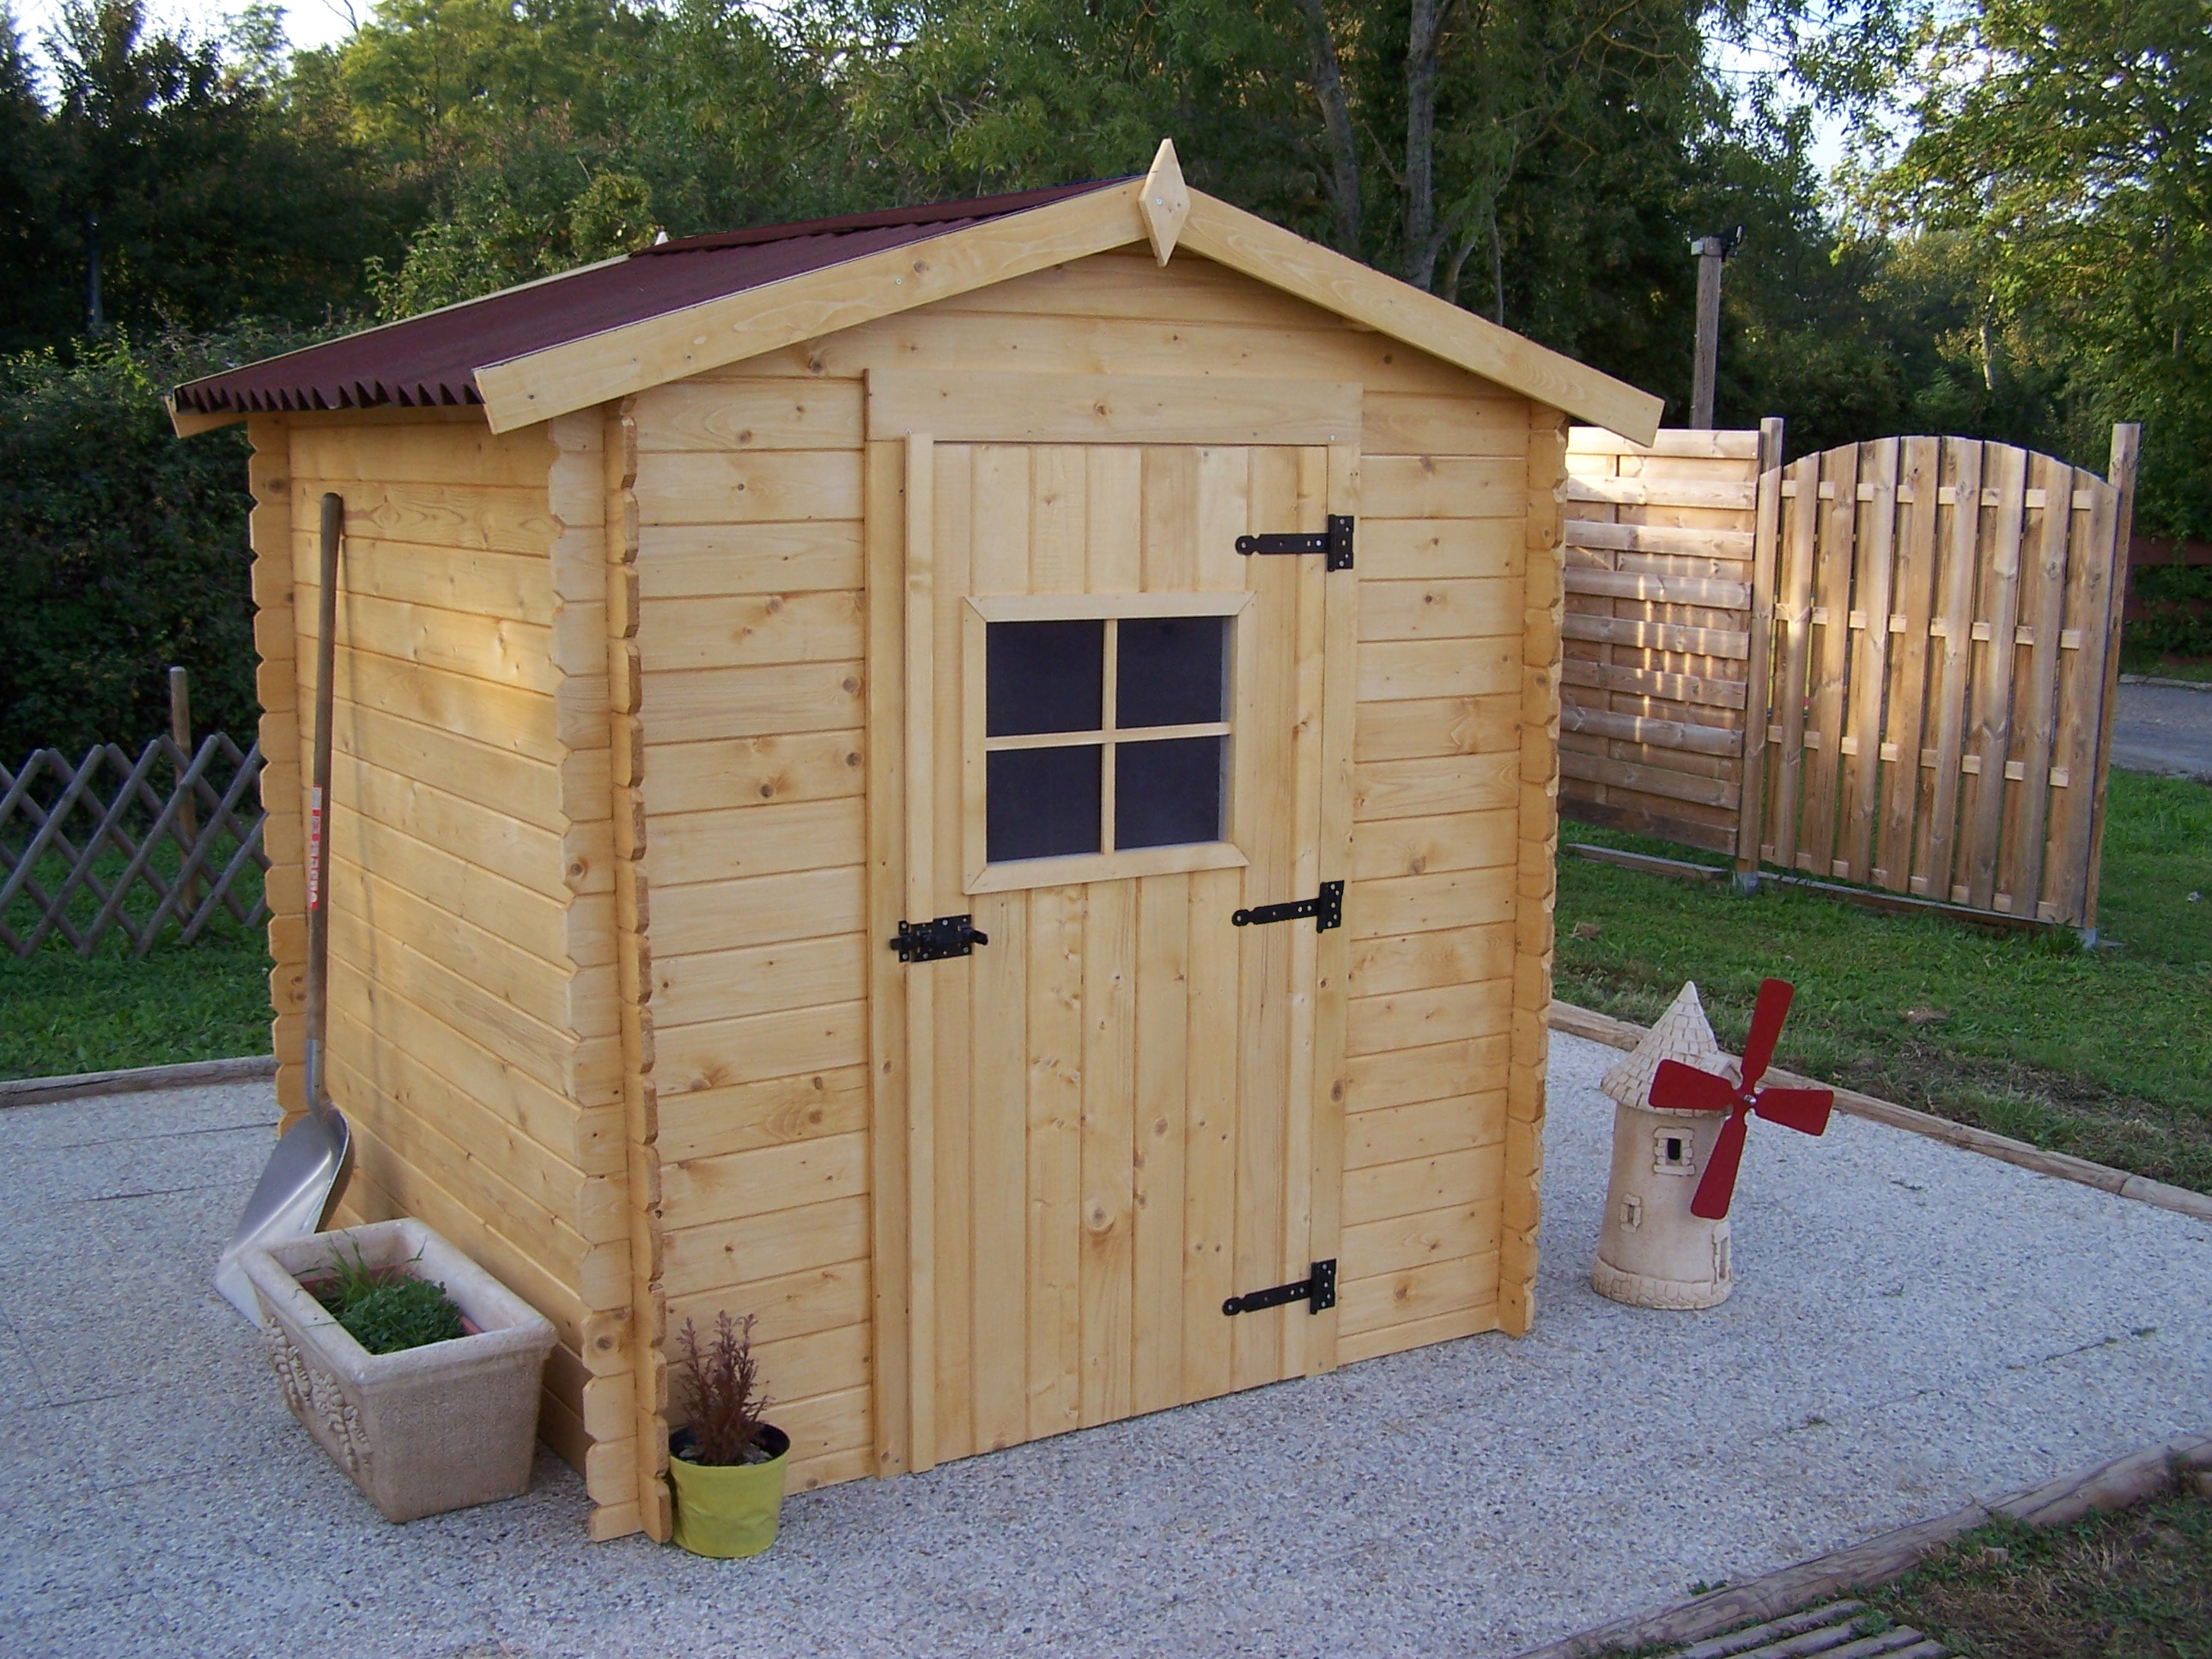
[386,1309]
[122,551]
[2065,142]
[176,186]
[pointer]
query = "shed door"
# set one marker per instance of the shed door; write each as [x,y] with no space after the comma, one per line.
[1124,1109]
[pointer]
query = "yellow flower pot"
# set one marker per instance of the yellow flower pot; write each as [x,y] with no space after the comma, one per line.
[728,1509]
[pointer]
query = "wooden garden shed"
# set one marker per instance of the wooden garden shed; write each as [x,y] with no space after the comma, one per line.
[1148,619]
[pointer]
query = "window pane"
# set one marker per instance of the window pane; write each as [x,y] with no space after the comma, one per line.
[1171,671]
[1042,803]
[1044,676]
[1166,793]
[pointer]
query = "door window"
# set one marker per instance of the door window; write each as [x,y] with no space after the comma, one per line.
[1105,735]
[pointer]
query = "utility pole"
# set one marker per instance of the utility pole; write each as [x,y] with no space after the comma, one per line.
[1711,251]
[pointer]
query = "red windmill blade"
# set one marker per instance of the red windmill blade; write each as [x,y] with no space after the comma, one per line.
[1679,1088]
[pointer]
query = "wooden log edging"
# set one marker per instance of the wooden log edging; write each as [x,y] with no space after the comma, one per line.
[79,1085]
[1625,1034]
[2113,1485]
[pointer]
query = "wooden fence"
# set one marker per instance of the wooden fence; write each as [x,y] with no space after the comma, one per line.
[83,845]
[1660,573]
[1925,631]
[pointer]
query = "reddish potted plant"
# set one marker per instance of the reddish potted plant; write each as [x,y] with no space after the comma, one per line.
[727,1462]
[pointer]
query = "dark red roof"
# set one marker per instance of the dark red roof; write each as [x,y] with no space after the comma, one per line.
[433,358]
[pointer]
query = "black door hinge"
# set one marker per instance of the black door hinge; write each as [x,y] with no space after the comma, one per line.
[933,941]
[1317,1291]
[1335,541]
[1326,907]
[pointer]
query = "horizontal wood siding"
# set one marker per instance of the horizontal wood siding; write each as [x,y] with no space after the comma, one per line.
[1435,837]
[1658,577]
[474,1040]
[751,652]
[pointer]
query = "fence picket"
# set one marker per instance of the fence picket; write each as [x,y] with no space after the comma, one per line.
[1869,667]
[1794,624]
[189,901]
[2042,602]
[1831,641]
[1937,845]
[1982,811]
[1912,587]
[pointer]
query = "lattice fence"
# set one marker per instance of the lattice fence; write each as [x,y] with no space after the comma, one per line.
[155,848]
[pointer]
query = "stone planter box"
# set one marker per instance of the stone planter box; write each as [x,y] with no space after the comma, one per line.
[425,1430]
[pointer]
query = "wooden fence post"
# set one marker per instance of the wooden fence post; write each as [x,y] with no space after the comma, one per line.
[1759,669]
[188,822]
[2127,445]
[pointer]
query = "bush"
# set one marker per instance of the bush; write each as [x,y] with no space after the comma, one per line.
[123,550]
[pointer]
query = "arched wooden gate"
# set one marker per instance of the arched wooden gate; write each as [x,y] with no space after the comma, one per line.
[1925,631]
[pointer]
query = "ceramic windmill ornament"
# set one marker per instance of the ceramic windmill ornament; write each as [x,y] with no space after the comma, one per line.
[1652,1252]
[1682,1111]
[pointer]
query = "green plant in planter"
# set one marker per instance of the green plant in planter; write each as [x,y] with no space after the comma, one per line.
[727,1464]
[387,1309]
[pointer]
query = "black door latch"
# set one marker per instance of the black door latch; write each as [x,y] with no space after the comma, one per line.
[933,941]
[1335,541]
[1318,1292]
[1326,907]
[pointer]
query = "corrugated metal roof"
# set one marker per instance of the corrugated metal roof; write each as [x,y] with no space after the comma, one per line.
[433,359]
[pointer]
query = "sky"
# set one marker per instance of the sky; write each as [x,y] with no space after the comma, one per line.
[307,24]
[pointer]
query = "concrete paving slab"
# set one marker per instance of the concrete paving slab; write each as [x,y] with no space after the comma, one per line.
[1916,1326]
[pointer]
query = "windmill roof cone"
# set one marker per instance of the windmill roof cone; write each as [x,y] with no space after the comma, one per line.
[1681,1034]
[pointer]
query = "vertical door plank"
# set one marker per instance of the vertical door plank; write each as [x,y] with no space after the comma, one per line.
[1106,1227]
[1794,622]
[1983,819]
[1055,1107]
[1210,1133]
[1913,592]
[2092,553]
[1058,514]
[1753,825]
[951,539]
[886,550]
[1870,595]
[1171,525]
[1162,991]
[1303,809]
[2043,609]
[999,1157]
[1224,508]
[1000,563]
[1114,541]
[1266,726]
[1832,642]
[1330,1080]
[1954,604]
[921,988]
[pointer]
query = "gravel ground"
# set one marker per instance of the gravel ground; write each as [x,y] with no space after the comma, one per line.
[1914,1326]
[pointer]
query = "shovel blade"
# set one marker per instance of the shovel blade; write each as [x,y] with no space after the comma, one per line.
[297,1188]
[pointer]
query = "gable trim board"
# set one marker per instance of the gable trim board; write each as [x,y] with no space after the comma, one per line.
[622,360]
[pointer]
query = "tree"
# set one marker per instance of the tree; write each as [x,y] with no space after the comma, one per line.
[2067,145]
[181,195]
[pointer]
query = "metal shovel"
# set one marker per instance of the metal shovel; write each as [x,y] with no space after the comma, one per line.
[307,1172]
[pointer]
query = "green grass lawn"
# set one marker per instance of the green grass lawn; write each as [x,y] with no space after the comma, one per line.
[2133,1585]
[2104,1053]
[61,1012]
